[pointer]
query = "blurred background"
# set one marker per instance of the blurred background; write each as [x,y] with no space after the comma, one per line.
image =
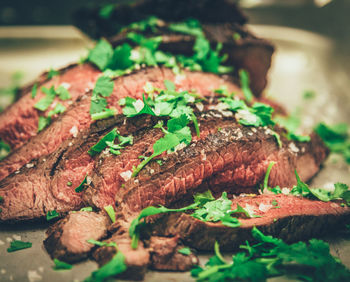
[39,34]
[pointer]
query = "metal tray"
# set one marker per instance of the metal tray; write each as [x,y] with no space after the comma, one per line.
[303,61]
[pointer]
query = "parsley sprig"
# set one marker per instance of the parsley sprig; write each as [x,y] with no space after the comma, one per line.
[272,257]
[336,138]
[341,191]
[206,208]
[164,103]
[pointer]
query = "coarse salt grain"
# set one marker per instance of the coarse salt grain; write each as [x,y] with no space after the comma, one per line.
[34,276]
[17,237]
[30,165]
[264,208]
[126,175]
[293,147]
[74,131]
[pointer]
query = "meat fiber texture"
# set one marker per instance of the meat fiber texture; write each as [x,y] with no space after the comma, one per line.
[292,219]
[77,117]
[234,157]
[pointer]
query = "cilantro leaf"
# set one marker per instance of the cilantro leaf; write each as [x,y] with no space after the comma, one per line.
[244,78]
[44,103]
[61,265]
[340,192]
[336,138]
[106,11]
[185,251]
[51,215]
[51,73]
[101,145]
[63,93]
[121,58]
[87,209]
[114,267]
[4,149]
[43,122]
[34,90]
[111,212]
[81,186]
[101,54]
[104,86]
[17,245]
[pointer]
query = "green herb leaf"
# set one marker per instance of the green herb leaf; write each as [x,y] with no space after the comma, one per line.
[43,122]
[101,145]
[81,186]
[34,90]
[114,267]
[102,244]
[244,78]
[110,211]
[106,11]
[51,215]
[87,209]
[61,265]
[101,54]
[45,102]
[121,58]
[336,138]
[5,149]
[17,245]
[185,251]
[63,93]
[51,73]
[309,94]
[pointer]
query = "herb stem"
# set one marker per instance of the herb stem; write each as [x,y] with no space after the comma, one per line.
[142,165]
[267,175]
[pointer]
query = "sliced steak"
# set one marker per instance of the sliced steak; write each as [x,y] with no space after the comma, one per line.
[19,122]
[67,239]
[294,219]
[206,11]
[165,255]
[244,153]
[49,182]
[77,117]
[137,260]
[247,52]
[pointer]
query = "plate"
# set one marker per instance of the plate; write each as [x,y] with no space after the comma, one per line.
[302,61]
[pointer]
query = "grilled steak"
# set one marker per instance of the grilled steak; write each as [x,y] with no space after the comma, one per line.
[294,219]
[67,240]
[19,122]
[243,153]
[235,156]
[77,117]
[248,52]
[206,11]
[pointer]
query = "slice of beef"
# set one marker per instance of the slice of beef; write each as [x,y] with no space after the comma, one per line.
[294,219]
[246,52]
[49,182]
[19,122]
[67,239]
[206,11]
[136,261]
[243,153]
[165,255]
[77,117]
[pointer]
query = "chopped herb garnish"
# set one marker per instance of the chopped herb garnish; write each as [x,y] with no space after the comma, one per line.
[236,36]
[17,245]
[205,206]
[340,191]
[34,90]
[106,11]
[45,121]
[309,94]
[51,215]
[61,265]
[185,251]
[271,257]
[101,145]
[336,138]
[245,85]
[114,267]
[1,199]
[101,244]
[69,183]
[63,93]
[81,186]
[108,141]
[87,209]
[111,212]
[51,73]
[101,54]
[45,102]
[274,203]
[103,88]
